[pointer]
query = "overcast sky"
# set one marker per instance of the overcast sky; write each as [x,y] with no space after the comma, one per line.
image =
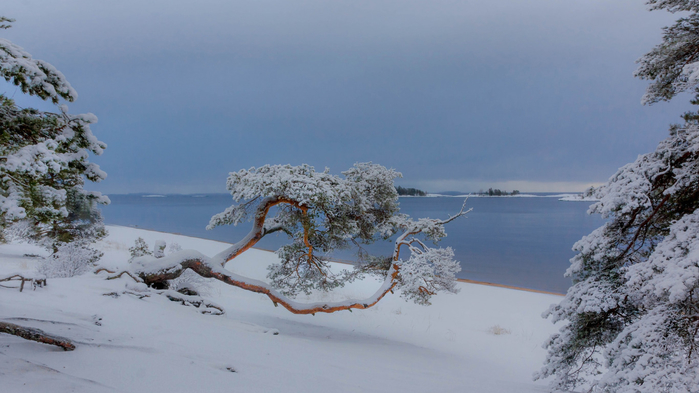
[535,95]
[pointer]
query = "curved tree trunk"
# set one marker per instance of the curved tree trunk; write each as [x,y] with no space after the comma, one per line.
[258,229]
[156,272]
[203,267]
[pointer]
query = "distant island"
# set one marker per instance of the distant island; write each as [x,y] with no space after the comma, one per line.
[497,192]
[410,191]
[405,191]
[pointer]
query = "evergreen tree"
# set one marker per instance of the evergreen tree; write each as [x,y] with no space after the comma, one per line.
[320,213]
[43,166]
[139,249]
[633,311]
[44,156]
[410,191]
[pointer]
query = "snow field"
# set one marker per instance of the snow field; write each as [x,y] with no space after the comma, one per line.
[127,344]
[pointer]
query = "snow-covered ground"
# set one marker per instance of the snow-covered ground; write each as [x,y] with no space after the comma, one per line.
[484,339]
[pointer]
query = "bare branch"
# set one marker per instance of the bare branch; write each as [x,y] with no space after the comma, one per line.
[459,214]
[36,281]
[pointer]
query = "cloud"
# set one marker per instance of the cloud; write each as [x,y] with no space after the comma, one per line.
[186,91]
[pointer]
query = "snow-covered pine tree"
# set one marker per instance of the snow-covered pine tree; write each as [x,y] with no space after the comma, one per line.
[633,311]
[82,225]
[320,212]
[43,166]
[139,249]
[44,156]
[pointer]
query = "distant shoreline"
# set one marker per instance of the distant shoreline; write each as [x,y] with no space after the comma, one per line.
[567,197]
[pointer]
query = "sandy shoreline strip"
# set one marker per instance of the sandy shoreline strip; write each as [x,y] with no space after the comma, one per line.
[507,286]
[464,280]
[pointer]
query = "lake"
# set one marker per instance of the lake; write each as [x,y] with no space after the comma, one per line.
[523,241]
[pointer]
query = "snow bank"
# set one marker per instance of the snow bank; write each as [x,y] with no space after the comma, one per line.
[131,344]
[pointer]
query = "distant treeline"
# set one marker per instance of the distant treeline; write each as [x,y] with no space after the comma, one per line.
[497,192]
[410,191]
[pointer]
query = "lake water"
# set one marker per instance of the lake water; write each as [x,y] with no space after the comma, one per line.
[525,242]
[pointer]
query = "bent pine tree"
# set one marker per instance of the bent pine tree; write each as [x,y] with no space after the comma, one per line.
[320,212]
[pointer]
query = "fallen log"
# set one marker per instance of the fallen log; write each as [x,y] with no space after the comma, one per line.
[36,335]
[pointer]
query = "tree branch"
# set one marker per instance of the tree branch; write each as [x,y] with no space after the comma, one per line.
[40,281]
[643,224]
[457,215]
[36,335]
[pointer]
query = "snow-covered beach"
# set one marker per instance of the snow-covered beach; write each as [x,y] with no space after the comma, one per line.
[483,339]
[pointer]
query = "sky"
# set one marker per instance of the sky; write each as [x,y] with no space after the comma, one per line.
[460,95]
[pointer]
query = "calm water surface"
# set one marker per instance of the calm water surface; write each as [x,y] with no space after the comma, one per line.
[524,242]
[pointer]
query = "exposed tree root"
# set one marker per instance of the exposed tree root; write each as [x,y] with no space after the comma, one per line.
[36,335]
[35,281]
[31,333]
[186,299]
[132,293]
[102,269]
[204,306]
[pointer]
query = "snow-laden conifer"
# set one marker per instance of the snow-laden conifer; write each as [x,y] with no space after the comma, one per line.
[632,314]
[633,311]
[44,161]
[139,249]
[319,212]
[44,156]
[673,65]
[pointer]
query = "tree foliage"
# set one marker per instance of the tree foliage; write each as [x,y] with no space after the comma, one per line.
[44,161]
[320,212]
[633,311]
[33,76]
[139,249]
[497,192]
[44,156]
[410,191]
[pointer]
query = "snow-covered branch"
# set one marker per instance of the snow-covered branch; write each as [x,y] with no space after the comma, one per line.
[636,280]
[33,76]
